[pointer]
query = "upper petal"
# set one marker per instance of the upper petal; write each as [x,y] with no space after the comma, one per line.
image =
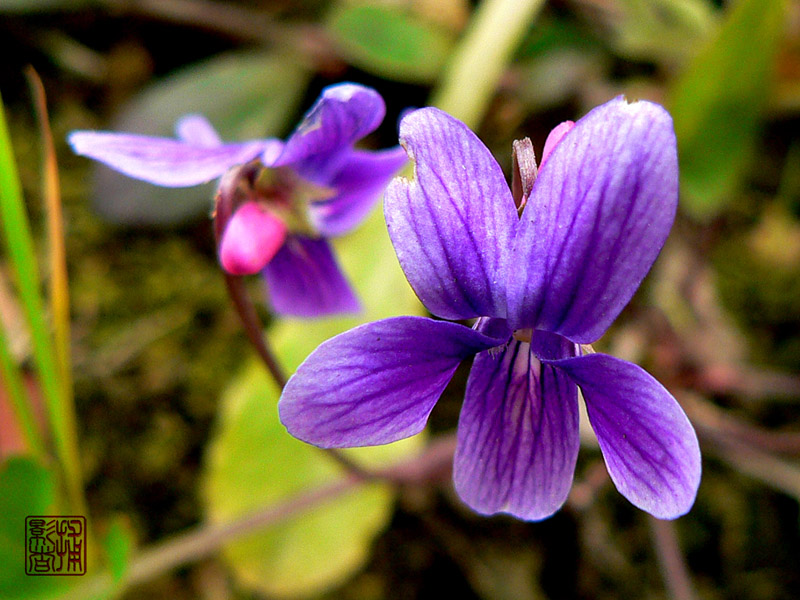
[648,444]
[163,161]
[359,184]
[598,216]
[304,280]
[376,383]
[453,224]
[343,114]
[197,130]
[517,435]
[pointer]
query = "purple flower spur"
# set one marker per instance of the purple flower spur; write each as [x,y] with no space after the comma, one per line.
[277,202]
[542,287]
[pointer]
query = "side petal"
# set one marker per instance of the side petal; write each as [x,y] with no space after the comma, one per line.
[376,383]
[359,184]
[453,224]
[648,444]
[304,280]
[597,217]
[162,161]
[343,114]
[517,435]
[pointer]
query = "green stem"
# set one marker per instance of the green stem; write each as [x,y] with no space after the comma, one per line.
[471,77]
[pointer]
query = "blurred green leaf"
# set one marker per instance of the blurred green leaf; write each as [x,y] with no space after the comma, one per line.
[555,34]
[245,95]
[662,30]
[22,258]
[390,42]
[718,103]
[552,77]
[253,461]
[118,544]
[26,489]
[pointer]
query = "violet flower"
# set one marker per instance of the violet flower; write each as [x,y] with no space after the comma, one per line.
[277,202]
[542,286]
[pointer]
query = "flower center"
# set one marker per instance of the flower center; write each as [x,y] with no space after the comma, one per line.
[523,335]
[279,191]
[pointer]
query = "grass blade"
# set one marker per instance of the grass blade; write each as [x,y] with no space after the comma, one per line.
[16,230]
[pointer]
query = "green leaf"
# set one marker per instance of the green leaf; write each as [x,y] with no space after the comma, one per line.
[662,30]
[22,257]
[390,42]
[718,103]
[245,95]
[26,489]
[253,462]
[118,544]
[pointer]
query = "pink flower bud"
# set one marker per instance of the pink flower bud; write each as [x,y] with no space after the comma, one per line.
[251,238]
[555,136]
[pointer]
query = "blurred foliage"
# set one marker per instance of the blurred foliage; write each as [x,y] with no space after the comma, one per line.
[26,489]
[718,101]
[245,95]
[162,368]
[390,42]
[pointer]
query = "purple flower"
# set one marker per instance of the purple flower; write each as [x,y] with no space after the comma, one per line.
[542,286]
[277,201]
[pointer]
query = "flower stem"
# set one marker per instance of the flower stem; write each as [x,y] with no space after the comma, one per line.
[252,327]
[471,77]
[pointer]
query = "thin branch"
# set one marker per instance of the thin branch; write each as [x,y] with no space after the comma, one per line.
[241,23]
[670,559]
[206,539]
[715,422]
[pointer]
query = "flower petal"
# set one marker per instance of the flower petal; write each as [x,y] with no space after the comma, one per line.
[162,161]
[517,435]
[376,383]
[343,114]
[304,280]
[598,215]
[649,446]
[198,131]
[251,239]
[453,224]
[359,184]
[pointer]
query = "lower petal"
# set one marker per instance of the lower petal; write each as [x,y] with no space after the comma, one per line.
[517,435]
[649,446]
[304,280]
[377,383]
